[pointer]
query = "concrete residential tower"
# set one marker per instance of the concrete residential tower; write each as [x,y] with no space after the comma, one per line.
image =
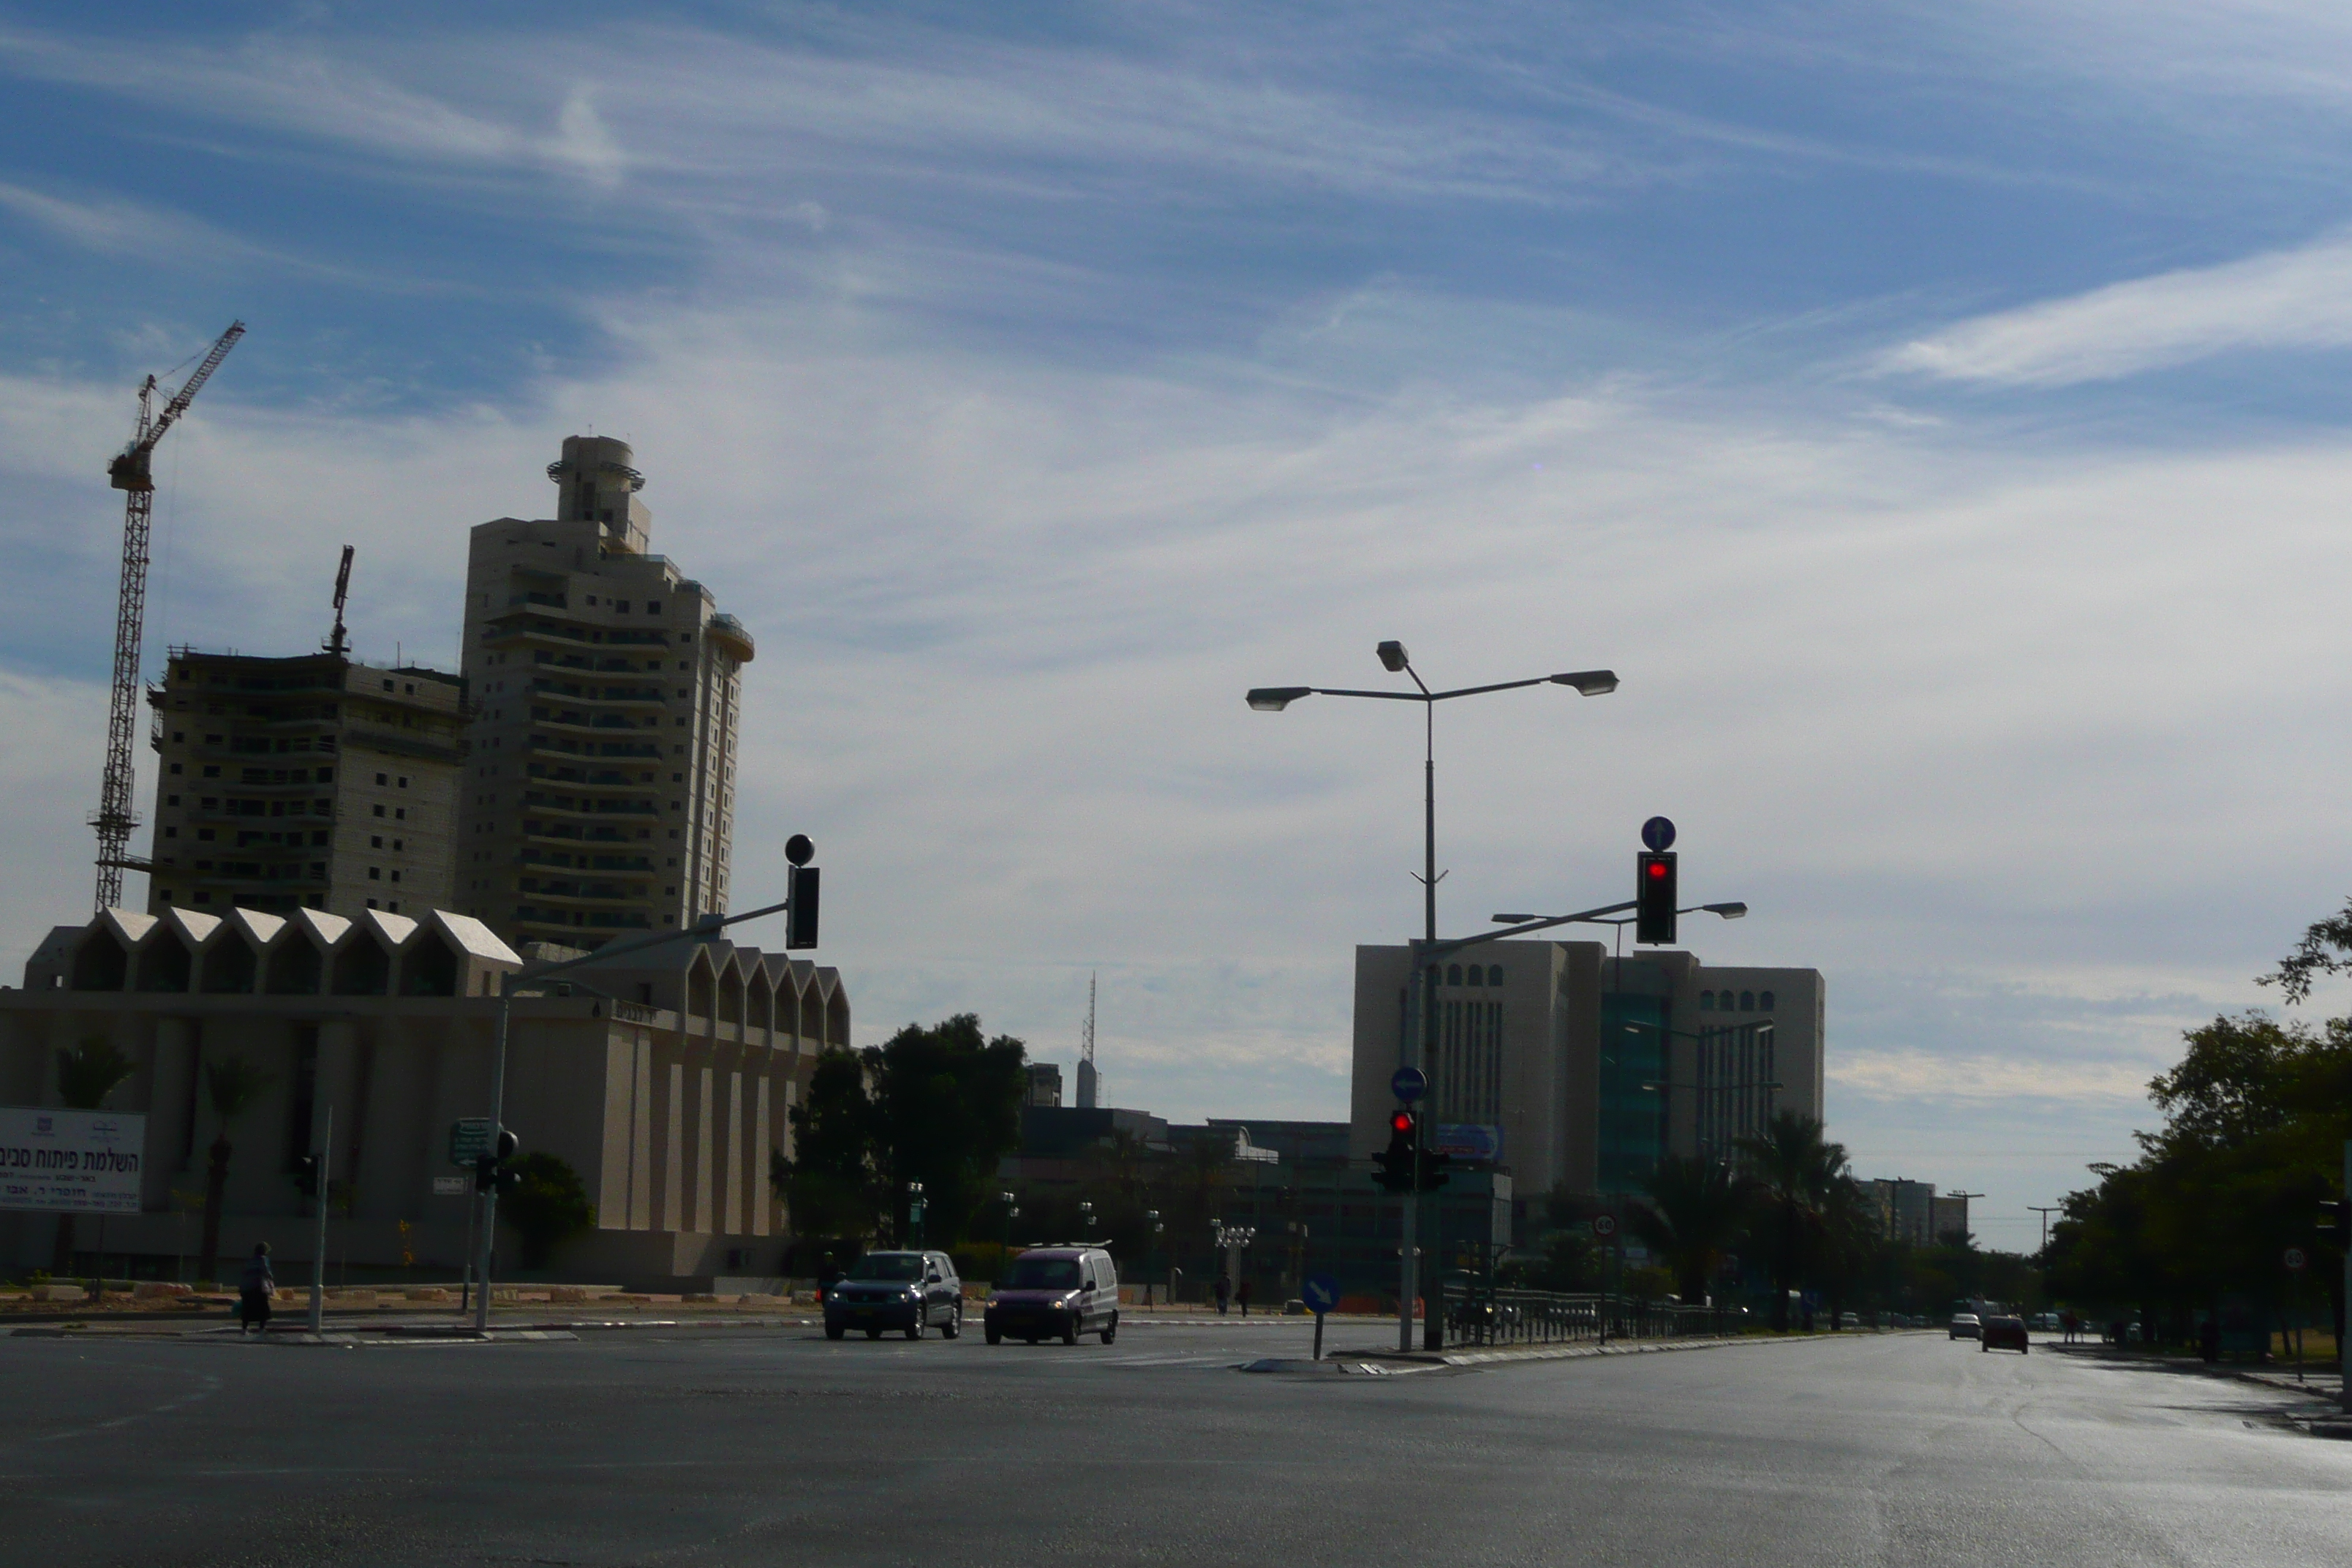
[599,797]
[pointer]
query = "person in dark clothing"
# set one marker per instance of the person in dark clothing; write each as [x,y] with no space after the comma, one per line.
[255,1291]
[1242,1294]
[1225,1293]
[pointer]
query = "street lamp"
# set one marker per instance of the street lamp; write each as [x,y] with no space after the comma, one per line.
[1152,1218]
[1395,660]
[705,928]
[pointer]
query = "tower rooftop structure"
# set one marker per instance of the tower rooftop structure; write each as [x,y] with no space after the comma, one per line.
[607,688]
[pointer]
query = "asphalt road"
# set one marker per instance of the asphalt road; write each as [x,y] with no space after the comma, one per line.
[756,1445]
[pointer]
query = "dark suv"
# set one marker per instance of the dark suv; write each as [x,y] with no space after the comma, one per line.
[1056,1293]
[911,1292]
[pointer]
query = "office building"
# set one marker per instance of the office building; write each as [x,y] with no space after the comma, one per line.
[1578,1071]
[607,689]
[307,783]
[1906,1210]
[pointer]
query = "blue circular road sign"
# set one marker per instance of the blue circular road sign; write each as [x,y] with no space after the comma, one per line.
[1409,1084]
[1658,834]
[1320,1292]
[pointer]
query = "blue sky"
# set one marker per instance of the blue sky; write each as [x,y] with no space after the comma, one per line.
[1934,413]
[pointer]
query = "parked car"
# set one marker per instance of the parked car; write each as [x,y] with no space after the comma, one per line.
[1056,1293]
[2004,1333]
[909,1291]
[2046,1322]
[1966,1326]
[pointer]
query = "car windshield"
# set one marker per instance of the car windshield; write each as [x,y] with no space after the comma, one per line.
[1044,1274]
[889,1266]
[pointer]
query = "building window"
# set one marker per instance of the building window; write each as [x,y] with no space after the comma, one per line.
[171,800]
[383,778]
[396,876]
[1453,976]
[1707,1001]
[1747,1002]
[171,833]
[1764,1002]
[403,781]
[375,874]
[371,903]
[397,845]
[375,841]
[379,811]
[1494,974]
[210,772]
[400,813]
[203,834]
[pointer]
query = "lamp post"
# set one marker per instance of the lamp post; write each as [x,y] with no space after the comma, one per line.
[705,928]
[1394,660]
[1152,1252]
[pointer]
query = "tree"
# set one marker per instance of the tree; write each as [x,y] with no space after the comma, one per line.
[830,1182]
[1793,1168]
[87,1074]
[1696,1213]
[940,1106]
[548,1207]
[948,1108]
[232,1084]
[2325,949]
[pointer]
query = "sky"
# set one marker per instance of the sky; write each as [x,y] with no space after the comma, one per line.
[1936,415]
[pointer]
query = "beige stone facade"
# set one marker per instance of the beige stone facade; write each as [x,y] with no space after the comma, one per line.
[668,1094]
[600,792]
[306,783]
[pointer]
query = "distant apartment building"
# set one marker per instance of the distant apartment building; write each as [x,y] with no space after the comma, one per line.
[1951,1218]
[600,791]
[1582,1070]
[305,783]
[1907,1210]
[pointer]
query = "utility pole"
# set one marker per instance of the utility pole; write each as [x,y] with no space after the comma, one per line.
[318,1253]
[2045,1211]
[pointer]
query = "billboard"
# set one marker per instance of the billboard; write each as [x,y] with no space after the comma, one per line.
[1467,1140]
[70,1162]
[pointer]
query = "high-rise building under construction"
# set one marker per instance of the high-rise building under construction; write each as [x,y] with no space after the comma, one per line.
[607,688]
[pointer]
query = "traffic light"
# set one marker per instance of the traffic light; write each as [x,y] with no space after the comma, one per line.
[2335,1224]
[306,1175]
[800,921]
[1433,1168]
[492,1174]
[1654,897]
[1397,1160]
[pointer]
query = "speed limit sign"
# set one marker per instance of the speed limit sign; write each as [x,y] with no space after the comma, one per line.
[2295,1259]
[1604,1225]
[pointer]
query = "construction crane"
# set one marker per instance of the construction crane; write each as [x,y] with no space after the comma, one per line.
[132,471]
[338,644]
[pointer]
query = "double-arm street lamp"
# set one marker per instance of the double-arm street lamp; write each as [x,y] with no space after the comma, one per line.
[1395,660]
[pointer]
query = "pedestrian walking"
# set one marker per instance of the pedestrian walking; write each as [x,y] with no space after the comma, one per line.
[1224,1292]
[1242,1294]
[255,1291]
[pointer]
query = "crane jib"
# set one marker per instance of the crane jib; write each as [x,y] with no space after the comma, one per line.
[129,471]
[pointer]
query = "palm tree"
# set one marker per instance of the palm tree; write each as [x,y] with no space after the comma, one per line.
[87,1074]
[1697,1209]
[1794,1169]
[232,1084]
[1850,1239]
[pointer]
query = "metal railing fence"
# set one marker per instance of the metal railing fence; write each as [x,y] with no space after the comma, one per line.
[1476,1317]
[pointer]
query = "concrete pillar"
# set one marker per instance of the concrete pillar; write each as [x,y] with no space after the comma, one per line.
[170,1110]
[762,1198]
[731,1143]
[642,1141]
[703,1085]
[672,1088]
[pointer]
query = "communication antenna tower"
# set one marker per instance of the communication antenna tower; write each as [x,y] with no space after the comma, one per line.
[131,472]
[1089,1081]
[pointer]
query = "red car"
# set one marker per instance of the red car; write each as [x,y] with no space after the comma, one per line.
[2009,1333]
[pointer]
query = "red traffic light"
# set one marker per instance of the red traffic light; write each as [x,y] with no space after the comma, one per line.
[1657,870]
[1400,1121]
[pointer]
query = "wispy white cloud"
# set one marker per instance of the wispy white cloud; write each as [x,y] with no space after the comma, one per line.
[1985,1078]
[2297,299]
[119,228]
